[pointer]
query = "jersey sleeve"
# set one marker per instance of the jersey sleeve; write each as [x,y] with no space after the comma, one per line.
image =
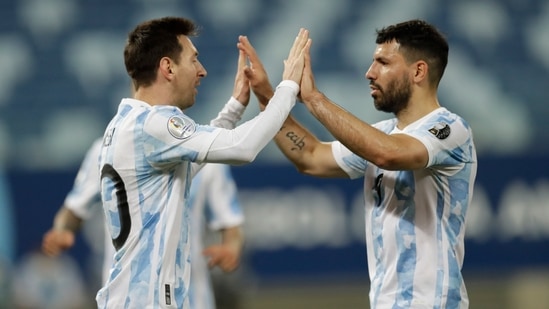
[229,115]
[448,139]
[354,165]
[349,162]
[85,193]
[223,208]
[243,143]
[171,136]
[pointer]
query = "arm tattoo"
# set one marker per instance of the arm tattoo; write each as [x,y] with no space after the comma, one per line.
[298,141]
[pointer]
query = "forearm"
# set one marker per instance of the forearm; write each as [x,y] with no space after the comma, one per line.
[230,114]
[263,92]
[296,143]
[65,219]
[310,155]
[292,138]
[242,144]
[233,237]
[360,137]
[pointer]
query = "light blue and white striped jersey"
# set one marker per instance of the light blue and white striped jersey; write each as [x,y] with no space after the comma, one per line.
[84,200]
[85,195]
[213,199]
[145,178]
[415,220]
[146,174]
[215,205]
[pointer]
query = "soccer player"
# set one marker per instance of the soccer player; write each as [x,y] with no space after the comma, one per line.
[214,204]
[152,150]
[419,167]
[78,206]
[213,200]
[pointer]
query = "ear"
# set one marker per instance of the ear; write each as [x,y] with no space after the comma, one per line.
[420,71]
[166,68]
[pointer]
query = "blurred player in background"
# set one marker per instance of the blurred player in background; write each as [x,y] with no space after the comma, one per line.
[419,167]
[79,206]
[214,203]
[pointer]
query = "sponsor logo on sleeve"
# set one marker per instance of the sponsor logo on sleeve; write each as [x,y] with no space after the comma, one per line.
[180,127]
[440,130]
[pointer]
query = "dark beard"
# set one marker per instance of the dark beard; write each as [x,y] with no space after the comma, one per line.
[396,97]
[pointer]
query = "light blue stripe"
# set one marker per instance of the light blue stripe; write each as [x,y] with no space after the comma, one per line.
[440,261]
[405,238]
[453,300]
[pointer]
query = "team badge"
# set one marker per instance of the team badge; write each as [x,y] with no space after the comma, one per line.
[441,130]
[180,128]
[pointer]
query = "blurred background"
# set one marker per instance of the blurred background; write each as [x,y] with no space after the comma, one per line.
[62,77]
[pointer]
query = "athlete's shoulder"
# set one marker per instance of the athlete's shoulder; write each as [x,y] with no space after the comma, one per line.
[167,110]
[442,123]
[442,114]
[170,119]
[95,148]
[386,126]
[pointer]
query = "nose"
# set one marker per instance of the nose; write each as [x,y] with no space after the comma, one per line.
[369,73]
[202,71]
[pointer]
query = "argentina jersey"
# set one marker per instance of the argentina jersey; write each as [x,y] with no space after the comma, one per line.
[84,196]
[415,219]
[84,200]
[145,178]
[214,205]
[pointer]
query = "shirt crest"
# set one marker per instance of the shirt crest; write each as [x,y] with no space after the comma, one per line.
[440,130]
[180,127]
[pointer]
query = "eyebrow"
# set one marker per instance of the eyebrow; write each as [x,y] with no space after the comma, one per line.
[381,58]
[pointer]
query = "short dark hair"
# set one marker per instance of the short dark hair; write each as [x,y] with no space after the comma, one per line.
[152,40]
[419,40]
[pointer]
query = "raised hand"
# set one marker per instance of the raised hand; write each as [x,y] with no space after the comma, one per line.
[307,86]
[241,90]
[255,72]
[293,65]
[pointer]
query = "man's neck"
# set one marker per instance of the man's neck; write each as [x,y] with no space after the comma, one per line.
[416,110]
[151,96]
